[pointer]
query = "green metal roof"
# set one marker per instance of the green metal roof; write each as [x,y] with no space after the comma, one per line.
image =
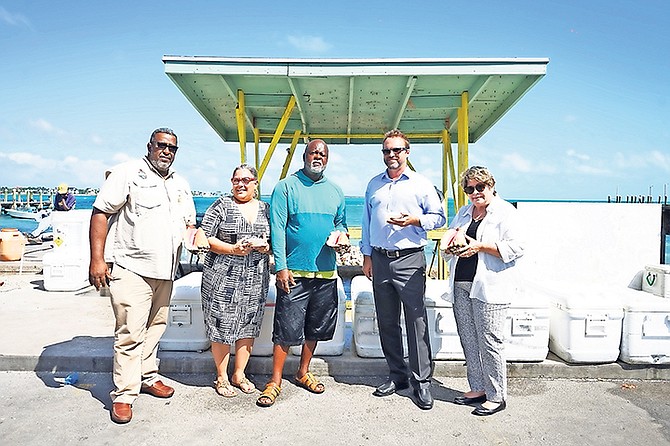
[353,100]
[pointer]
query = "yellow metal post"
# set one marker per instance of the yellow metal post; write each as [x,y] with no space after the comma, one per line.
[257,153]
[277,135]
[463,138]
[241,128]
[289,154]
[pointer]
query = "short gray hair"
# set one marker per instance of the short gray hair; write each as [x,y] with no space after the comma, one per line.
[165,130]
[478,173]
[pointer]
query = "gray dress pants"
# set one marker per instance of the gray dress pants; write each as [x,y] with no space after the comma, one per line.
[401,283]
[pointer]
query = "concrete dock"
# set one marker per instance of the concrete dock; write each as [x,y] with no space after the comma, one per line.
[46,335]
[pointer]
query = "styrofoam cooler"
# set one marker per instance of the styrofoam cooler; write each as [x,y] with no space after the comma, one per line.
[366,330]
[527,327]
[335,346]
[444,340]
[645,335]
[186,325]
[584,324]
[64,270]
[656,280]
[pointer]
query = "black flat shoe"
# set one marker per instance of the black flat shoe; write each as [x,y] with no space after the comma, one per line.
[483,412]
[465,401]
[389,388]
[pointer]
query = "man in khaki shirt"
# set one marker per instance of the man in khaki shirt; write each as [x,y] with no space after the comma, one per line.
[137,227]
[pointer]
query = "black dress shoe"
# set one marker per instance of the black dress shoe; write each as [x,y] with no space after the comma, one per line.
[389,388]
[423,398]
[483,412]
[465,401]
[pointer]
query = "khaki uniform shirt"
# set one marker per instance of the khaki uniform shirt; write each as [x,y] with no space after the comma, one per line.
[149,216]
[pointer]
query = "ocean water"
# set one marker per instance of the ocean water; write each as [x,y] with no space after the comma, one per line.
[354,206]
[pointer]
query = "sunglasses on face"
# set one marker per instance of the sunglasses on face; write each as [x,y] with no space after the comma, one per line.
[164,145]
[395,150]
[479,186]
[244,181]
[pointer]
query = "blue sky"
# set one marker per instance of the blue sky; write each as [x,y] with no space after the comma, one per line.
[82,85]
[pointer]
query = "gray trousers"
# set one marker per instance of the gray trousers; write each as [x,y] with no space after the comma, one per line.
[401,283]
[481,327]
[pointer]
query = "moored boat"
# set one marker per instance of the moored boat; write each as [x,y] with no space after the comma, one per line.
[27,213]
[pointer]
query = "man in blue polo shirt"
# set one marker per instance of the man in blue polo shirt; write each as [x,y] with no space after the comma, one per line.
[400,207]
[305,209]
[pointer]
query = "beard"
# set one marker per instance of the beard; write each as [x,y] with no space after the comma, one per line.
[315,168]
[160,165]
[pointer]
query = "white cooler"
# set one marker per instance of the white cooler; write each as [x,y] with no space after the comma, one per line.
[335,346]
[186,325]
[444,340]
[66,267]
[656,280]
[65,270]
[70,229]
[646,329]
[366,330]
[263,344]
[527,327]
[585,324]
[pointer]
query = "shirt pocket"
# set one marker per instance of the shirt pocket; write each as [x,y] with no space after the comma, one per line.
[148,197]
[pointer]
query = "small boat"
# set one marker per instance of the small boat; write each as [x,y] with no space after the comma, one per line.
[27,213]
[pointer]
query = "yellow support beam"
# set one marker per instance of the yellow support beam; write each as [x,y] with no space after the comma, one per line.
[257,153]
[257,147]
[463,138]
[241,128]
[289,154]
[277,135]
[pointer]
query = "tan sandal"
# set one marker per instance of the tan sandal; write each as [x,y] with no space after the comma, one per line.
[309,382]
[223,388]
[269,395]
[245,385]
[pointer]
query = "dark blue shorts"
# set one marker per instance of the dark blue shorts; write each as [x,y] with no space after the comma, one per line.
[308,312]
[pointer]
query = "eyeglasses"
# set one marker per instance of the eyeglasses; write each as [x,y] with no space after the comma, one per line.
[245,180]
[479,186]
[395,150]
[164,145]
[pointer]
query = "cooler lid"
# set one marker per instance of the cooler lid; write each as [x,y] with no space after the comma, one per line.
[665,269]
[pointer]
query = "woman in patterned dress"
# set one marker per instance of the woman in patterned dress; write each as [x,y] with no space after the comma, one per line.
[235,278]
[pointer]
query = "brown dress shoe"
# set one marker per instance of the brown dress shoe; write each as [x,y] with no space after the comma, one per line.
[158,389]
[121,413]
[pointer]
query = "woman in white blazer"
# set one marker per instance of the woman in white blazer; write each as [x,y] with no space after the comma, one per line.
[482,246]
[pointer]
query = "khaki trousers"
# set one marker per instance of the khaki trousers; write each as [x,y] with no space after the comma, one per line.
[140,306]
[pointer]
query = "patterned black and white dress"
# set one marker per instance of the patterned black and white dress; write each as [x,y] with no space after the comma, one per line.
[234,288]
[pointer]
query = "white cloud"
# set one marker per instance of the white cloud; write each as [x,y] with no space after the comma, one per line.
[47,127]
[642,160]
[516,162]
[13,19]
[580,156]
[311,44]
[660,159]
